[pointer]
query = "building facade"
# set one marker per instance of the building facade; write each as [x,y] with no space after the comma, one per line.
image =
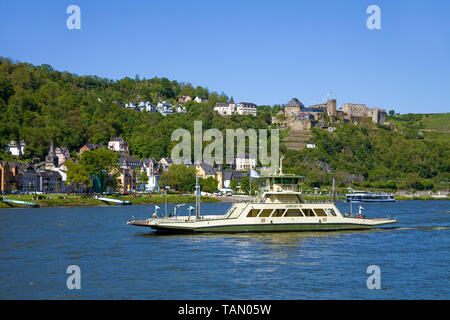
[16,149]
[225,108]
[89,147]
[118,144]
[151,168]
[247,108]
[244,162]
[164,108]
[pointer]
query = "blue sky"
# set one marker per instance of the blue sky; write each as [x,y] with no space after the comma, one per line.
[259,51]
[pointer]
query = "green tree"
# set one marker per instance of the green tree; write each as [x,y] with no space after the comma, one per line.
[100,160]
[141,177]
[77,176]
[208,185]
[101,166]
[233,184]
[6,89]
[245,184]
[179,177]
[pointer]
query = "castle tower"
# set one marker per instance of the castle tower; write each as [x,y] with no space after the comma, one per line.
[331,107]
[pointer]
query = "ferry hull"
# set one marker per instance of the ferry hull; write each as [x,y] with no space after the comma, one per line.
[244,228]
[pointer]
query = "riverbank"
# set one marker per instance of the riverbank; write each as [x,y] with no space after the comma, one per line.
[397,197]
[58,200]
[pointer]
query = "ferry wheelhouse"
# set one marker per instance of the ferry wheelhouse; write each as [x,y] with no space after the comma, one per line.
[280,207]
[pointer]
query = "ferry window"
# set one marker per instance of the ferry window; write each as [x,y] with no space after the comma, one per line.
[278,213]
[293,213]
[266,213]
[320,212]
[332,212]
[308,213]
[253,213]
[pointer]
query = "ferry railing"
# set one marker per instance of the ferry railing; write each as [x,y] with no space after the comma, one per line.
[186,218]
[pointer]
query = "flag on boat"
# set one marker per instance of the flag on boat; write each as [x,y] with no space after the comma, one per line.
[156,208]
[254,174]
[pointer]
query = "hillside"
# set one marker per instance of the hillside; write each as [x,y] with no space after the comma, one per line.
[434,126]
[371,155]
[38,104]
[296,140]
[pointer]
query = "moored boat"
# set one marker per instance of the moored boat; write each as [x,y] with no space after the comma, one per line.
[367,196]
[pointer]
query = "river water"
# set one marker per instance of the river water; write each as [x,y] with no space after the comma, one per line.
[118,261]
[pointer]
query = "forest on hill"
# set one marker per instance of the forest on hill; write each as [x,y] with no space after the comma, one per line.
[373,155]
[38,103]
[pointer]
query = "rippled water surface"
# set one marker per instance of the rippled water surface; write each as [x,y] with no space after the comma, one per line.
[119,261]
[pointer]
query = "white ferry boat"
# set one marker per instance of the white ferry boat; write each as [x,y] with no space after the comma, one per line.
[279,208]
[367,196]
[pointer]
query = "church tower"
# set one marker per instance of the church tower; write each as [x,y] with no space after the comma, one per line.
[51,160]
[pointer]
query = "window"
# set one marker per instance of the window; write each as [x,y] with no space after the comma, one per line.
[278,213]
[293,213]
[308,213]
[266,213]
[253,213]
[332,212]
[320,212]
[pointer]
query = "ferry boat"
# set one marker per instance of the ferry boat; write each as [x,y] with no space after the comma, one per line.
[367,196]
[280,207]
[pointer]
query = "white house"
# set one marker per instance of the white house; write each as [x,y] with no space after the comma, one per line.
[244,162]
[165,163]
[16,149]
[131,105]
[181,109]
[199,99]
[225,108]
[151,108]
[310,145]
[151,168]
[164,108]
[246,108]
[118,144]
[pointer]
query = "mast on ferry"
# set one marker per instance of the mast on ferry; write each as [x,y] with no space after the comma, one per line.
[197,199]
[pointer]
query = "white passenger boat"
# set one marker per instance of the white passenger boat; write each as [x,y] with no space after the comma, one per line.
[279,208]
[367,196]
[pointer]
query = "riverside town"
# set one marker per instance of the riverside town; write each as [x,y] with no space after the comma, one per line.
[221,159]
